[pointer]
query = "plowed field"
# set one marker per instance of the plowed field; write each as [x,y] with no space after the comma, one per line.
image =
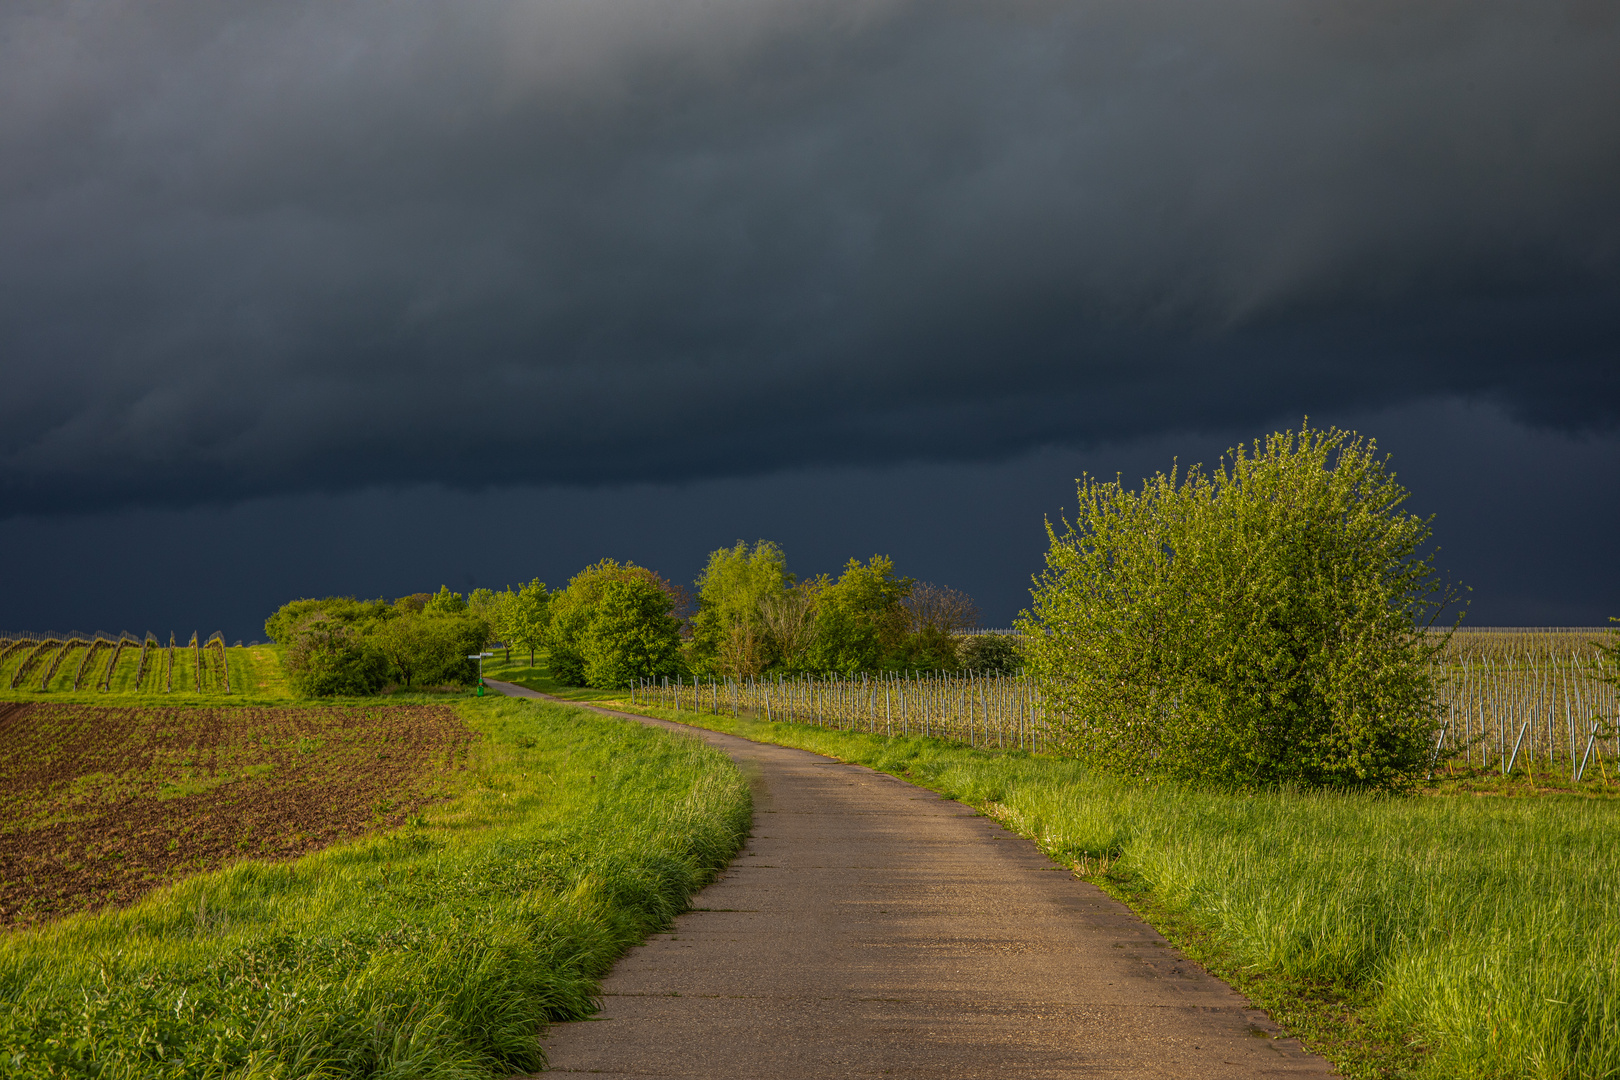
[99,804]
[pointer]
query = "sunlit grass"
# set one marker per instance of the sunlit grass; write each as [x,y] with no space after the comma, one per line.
[1457,936]
[434,951]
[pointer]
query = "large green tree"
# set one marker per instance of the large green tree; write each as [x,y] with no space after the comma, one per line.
[571,639]
[632,634]
[1262,623]
[860,623]
[738,591]
[523,618]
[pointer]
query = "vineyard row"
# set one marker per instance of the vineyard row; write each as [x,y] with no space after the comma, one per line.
[1553,712]
[41,663]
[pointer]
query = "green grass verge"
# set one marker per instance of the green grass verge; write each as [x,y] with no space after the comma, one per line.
[434,951]
[1460,936]
[521,672]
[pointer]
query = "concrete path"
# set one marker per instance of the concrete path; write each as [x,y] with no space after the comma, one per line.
[872,928]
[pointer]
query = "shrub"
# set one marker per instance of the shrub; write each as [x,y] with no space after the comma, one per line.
[1258,625]
[424,649]
[995,654]
[361,614]
[327,657]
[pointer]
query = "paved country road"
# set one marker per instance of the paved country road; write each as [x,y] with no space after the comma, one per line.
[871,928]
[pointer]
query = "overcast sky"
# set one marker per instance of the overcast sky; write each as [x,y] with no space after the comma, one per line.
[366,297]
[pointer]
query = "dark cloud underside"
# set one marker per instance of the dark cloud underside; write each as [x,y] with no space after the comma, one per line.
[250,250]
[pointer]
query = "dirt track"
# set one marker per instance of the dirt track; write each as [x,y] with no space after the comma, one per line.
[871,928]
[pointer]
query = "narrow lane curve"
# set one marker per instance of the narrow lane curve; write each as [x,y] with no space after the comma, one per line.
[872,928]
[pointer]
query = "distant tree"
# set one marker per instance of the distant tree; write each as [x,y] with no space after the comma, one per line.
[632,634]
[573,608]
[345,610]
[995,654]
[416,602]
[729,632]
[526,617]
[859,619]
[935,615]
[445,602]
[1262,624]
[326,657]
[789,620]
[931,607]
[429,649]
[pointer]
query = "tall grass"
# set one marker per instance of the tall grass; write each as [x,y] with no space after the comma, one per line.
[436,951]
[1485,930]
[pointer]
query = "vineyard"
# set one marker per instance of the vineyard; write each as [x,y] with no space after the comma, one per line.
[1000,711]
[1532,698]
[1512,700]
[48,663]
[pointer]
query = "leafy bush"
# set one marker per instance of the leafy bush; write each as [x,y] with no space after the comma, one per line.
[1258,625]
[281,626]
[326,657]
[995,654]
[424,649]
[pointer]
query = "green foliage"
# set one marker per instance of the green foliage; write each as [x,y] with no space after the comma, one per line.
[575,608]
[524,617]
[281,626]
[860,623]
[631,635]
[437,951]
[326,657]
[730,635]
[427,649]
[993,654]
[1258,625]
[445,602]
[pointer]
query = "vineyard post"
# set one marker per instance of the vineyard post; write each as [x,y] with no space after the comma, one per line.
[1590,740]
[1508,770]
[1435,756]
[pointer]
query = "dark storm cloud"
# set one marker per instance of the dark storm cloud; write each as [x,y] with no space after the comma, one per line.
[271,248]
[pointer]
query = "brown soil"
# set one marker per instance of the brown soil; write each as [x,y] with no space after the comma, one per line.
[101,804]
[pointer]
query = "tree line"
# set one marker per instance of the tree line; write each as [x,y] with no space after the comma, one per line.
[343,646]
[1263,622]
[614,623]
